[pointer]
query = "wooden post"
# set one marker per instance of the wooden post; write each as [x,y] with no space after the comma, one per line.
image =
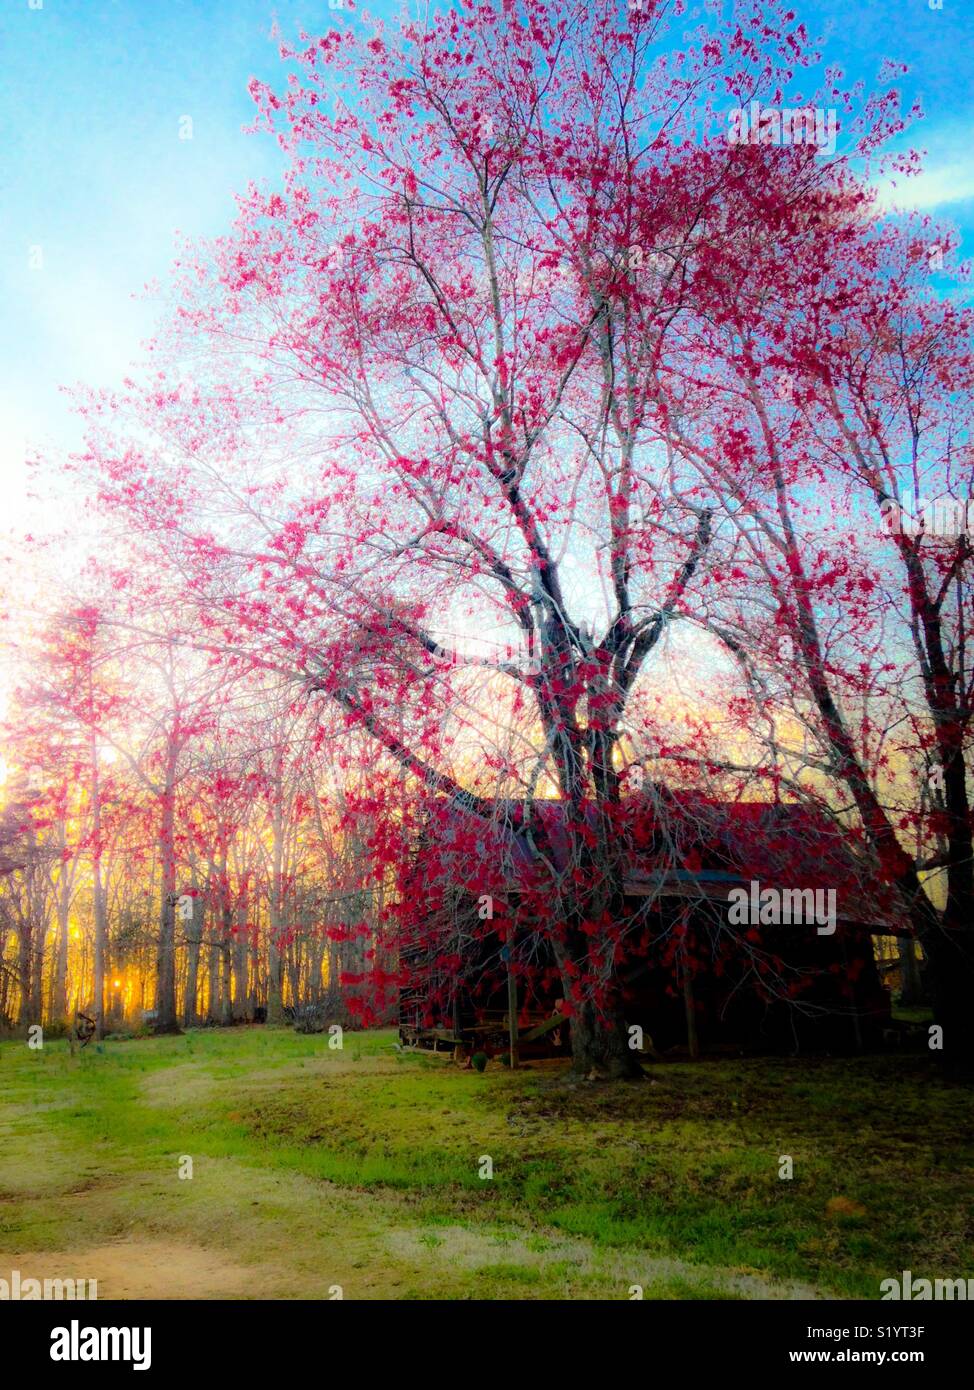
[511,1007]
[856,1029]
[691,1013]
[512,1016]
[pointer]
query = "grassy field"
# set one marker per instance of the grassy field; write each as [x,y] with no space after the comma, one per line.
[362,1169]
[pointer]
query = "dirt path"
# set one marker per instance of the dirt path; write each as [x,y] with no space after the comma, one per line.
[90,1189]
[227,1245]
[143,1269]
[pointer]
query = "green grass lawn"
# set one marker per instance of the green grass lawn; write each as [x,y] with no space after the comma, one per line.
[362,1169]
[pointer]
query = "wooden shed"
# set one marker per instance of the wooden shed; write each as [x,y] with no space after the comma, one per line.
[693,978]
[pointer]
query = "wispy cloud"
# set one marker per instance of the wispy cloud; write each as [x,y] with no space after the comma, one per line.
[938,186]
[947,177]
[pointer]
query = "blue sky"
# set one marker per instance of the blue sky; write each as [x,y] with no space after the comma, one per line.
[94,174]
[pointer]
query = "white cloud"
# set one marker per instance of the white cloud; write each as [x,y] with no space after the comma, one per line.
[936,187]
[947,176]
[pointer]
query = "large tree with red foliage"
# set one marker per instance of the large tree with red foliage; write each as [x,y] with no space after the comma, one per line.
[460,375]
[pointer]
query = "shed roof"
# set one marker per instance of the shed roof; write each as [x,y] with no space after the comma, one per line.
[683,846]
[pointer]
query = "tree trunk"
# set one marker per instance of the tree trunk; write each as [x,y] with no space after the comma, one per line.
[195,942]
[600,1037]
[213,1007]
[37,977]
[275,1000]
[59,988]
[166,1021]
[98,890]
[226,1015]
[601,1044]
[950,956]
[242,1004]
[226,931]
[24,961]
